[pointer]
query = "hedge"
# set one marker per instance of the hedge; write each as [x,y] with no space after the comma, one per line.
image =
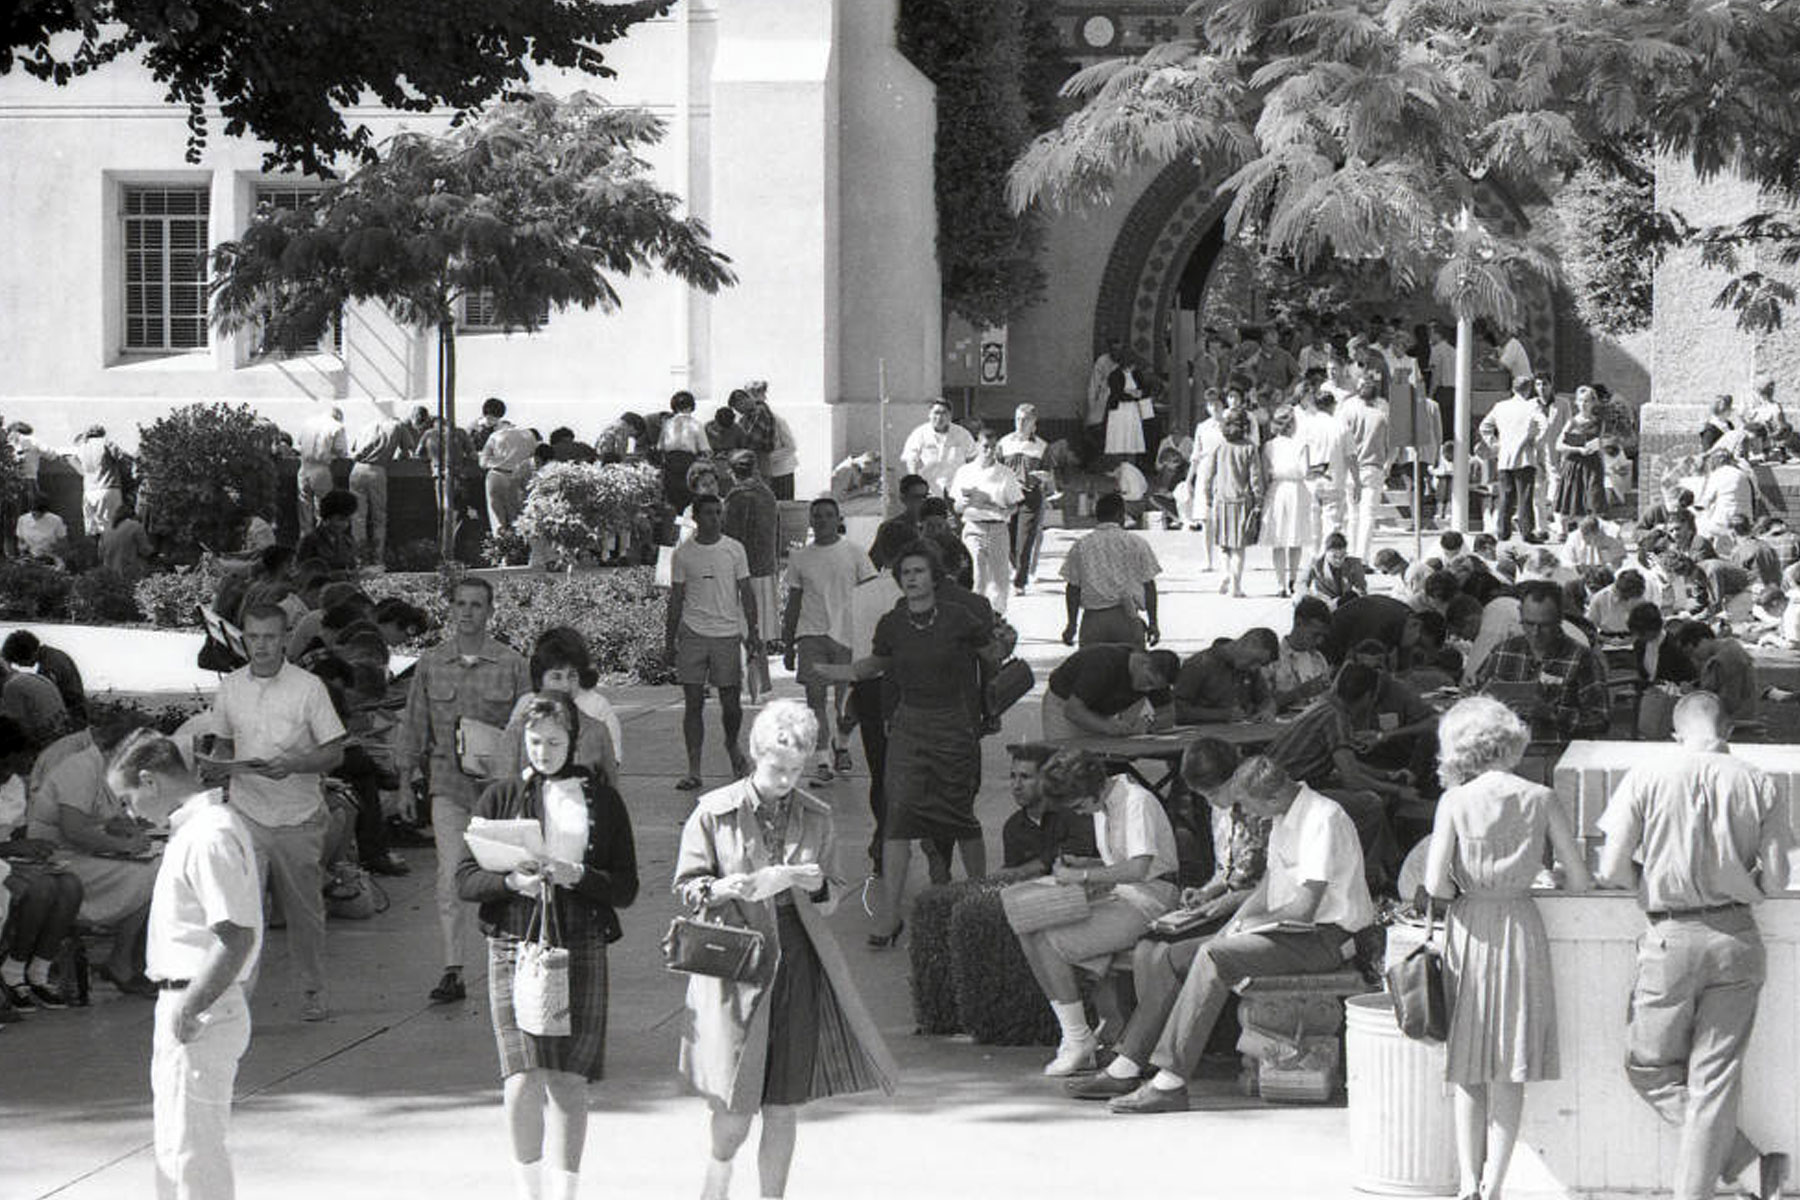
[968,974]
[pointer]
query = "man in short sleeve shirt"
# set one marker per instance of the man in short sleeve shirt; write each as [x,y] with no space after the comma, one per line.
[1110,689]
[205,934]
[284,736]
[712,623]
[1713,837]
[1300,919]
[817,625]
[1111,573]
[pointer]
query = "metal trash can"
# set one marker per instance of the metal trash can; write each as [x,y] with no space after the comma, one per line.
[1402,1140]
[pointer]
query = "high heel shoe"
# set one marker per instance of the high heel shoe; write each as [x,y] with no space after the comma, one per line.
[885,941]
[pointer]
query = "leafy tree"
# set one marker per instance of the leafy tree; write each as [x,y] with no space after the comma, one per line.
[203,467]
[1610,240]
[284,70]
[540,202]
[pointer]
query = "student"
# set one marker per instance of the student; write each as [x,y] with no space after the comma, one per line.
[1108,690]
[712,623]
[816,627]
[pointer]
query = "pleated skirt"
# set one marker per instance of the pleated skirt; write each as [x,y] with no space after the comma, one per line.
[1503,1002]
[583,1052]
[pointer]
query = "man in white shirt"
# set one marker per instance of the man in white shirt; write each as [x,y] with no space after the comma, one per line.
[1513,357]
[818,624]
[322,441]
[1023,453]
[205,933]
[986,493]
[1327,453]
[1514,428]
[1301,918]
[937,449]
[506,457]
[1368,443]
[379,443]
[1442,366]
[41,533]
[712,623]
[284,735]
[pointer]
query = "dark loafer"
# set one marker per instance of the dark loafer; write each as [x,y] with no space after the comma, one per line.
[1100,1087]
[449,989]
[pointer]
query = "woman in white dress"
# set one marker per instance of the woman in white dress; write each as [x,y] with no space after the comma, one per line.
[1124,418]
[1287,507]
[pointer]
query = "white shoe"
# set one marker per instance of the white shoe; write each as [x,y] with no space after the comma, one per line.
[1073,1057]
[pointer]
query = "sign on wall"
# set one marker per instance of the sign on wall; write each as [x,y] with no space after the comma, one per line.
[991,360]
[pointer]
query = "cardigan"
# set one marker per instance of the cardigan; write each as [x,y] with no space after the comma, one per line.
[608,883]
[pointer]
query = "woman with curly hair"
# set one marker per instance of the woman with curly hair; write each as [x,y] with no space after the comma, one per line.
[1231,491]
[1486,847]
[561,665]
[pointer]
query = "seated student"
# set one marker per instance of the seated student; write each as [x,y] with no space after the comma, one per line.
[1589,545]
[1392,568]
[1726,668]
[73,810]
[1730,590]
[1405,727]
[1610,604]
[1335,576]
[1036,835]
[41,533]
[1324,747]
[1435,592]
[1655,657]
[1435,664]
[1300,672]
[308,632]
[1241,842]
[1752,553]
[1767,617]
[1774,533]
[1566,679]
[1575,602]
[45,897]
[23,650]
[1675,499]
[1130,885]
[1302,918]
[34,702]
[1486,548]
[1684,535]
[333,542]
[1225,682]
[1392,621]
[1110,689]
[1454,552]
[1134,490]
[1543,563]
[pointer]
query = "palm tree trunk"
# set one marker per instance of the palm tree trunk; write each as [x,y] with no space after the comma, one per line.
[448,513]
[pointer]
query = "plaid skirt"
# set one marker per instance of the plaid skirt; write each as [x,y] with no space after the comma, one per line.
[583,1052]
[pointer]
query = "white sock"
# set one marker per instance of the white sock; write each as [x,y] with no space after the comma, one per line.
[1123,1068]
[39,971]
[561,1185]
[1073,1019]
[1168,1081]
[12,972]
[718,1179]
[528,1179]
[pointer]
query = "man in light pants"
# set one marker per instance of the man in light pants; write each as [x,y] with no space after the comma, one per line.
[469,676]
[986,493]
[322,441]
[1365,420]
[374,451]
[205,933]
[1328,458]
[285,735]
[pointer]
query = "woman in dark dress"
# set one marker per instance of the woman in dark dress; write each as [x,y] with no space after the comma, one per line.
[589,870]
[1581,490]
[932,653]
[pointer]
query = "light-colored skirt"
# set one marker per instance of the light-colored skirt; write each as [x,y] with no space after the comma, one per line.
[1503,1003]
[1287,514]
[112,888]
[1125,429]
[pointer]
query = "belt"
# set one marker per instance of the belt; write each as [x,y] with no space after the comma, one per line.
[1678,914]
[171,985]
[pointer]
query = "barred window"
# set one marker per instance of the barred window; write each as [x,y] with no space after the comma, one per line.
[166,246]
[290,199]
[478,311]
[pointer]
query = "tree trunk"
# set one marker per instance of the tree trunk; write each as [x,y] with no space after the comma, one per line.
[448,511]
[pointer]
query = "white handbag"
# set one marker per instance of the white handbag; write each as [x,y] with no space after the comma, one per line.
[541,977]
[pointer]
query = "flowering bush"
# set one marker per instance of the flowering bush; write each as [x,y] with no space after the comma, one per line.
[168,599]
[576,508]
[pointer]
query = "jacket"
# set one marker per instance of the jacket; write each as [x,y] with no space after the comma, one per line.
[725,1034]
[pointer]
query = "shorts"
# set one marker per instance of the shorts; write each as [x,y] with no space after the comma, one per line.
[703,661]
[814,651]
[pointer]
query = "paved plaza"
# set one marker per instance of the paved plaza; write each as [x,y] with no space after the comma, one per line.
[394,1097]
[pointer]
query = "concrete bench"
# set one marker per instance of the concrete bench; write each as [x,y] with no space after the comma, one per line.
[1293,1033]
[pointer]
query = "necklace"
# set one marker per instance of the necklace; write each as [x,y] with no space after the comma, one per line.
[930,618]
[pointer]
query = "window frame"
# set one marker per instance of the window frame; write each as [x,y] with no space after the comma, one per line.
[130,193]
[465,323]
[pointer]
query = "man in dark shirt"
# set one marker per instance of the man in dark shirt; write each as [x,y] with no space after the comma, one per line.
[1104,689]
[1391,621]
[1033,838]
[1226,683]
[903,527]
[333,542]
[22,649]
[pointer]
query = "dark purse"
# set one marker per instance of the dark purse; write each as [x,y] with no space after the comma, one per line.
[1009,684]
[1421,993]
[697,946]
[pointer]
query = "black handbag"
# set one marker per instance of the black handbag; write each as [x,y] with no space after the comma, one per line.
[1009,684]
[1421,993]
[696,946]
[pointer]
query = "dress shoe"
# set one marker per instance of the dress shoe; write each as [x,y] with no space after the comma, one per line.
[47,996]
[1100,1087]
[312,1007]
[449,989]
[387,863]
[1151,1099]
[1073,1057]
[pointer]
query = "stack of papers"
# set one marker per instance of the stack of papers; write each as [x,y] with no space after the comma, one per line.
[505,845]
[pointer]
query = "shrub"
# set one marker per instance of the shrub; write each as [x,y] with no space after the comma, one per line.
[420,554]
[505,549]
[34,592]
[102,597]
[998,1000]
[928,953]
[203,467]
[576,507]
[12,477]
[168,600]
[163,716]
[620,613]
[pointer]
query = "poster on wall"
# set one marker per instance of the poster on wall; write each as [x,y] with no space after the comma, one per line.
[991,360]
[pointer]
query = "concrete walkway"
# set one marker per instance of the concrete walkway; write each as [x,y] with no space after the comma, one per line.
[394,1098]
